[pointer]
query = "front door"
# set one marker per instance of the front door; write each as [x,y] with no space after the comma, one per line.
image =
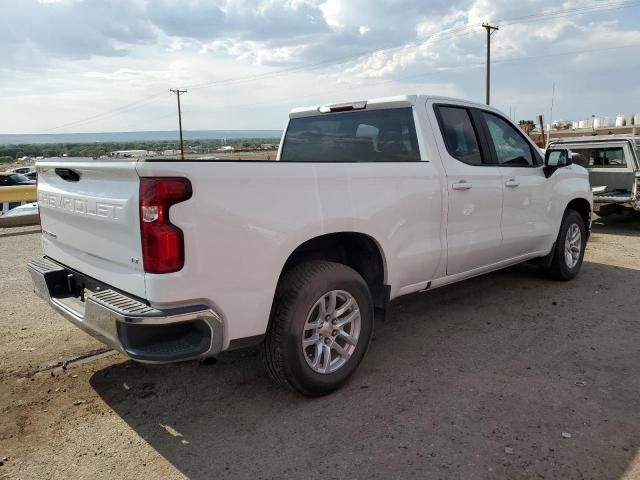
[525,224]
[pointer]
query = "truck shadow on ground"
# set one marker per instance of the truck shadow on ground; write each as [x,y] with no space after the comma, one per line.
[508,375]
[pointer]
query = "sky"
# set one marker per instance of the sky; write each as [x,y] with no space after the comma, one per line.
[108,65]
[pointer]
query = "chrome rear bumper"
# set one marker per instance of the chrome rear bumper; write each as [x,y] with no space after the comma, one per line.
[125,323]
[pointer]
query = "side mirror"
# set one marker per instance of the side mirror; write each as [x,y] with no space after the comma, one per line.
[556,158]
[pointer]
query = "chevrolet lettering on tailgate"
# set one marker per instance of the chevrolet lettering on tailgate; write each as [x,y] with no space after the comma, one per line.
[90,207]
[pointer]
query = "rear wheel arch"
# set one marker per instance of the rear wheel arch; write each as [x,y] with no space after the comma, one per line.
[353,249]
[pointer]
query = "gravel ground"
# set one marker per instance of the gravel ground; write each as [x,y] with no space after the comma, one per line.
[504,376]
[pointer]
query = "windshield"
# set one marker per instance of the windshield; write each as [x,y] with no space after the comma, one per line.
[17,178]
[387,135]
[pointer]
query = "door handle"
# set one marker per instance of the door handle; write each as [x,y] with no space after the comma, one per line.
[462,185]
[512,183]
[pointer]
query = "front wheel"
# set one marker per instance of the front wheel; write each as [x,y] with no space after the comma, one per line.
[320,327]
[569,249]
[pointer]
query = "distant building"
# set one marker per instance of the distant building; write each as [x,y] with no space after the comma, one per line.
[170,153]
[128,153]
[269,146]
[226,148]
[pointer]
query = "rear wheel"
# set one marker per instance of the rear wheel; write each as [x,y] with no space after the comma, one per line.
[569,249]
[320,327]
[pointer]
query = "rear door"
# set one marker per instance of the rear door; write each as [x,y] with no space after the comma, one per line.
[90,219]
[526,227]
[474,189]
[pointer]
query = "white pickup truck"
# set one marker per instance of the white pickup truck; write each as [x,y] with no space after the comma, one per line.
[169,260]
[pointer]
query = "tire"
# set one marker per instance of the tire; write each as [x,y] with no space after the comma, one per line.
[302,301]
[562,267]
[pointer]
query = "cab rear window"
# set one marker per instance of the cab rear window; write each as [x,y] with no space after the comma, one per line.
[362,136]
[609,157]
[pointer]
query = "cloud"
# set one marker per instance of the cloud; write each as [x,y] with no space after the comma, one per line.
[99,54]
[72,29]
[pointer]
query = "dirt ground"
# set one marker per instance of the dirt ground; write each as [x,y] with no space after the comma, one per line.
[505,376]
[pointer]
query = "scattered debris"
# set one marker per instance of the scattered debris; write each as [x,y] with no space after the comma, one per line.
[508,450]
[566,435]
[75,375]
[580,383]
[28,349]
[79,402]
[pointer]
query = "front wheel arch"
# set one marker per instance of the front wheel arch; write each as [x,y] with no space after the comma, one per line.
[583,207]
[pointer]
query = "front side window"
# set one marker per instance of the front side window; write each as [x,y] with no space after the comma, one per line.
[511,148]
[459,134]
[387,135]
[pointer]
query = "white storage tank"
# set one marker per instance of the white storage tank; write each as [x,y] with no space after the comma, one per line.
[620,121]
[582,124]
[575,125]
[636,119]
[597,123]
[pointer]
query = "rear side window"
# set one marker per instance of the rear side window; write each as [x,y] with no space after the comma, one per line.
[459,135]
[511,148]
[361,136]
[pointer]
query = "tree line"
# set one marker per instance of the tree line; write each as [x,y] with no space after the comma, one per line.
[9,153]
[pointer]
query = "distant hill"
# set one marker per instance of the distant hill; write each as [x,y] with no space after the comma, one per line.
[104,137]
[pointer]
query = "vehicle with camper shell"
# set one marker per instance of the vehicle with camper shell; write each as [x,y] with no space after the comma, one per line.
[613,163]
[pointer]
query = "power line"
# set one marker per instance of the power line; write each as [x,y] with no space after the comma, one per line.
[421,75]
[568,12]
[138,103]
[279,102]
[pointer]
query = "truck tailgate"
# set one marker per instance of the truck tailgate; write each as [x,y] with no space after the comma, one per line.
[90,219]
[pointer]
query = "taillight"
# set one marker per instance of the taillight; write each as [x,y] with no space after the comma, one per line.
[162,242]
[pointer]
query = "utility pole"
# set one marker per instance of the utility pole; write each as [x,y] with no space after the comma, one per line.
[490,29]
[177,91]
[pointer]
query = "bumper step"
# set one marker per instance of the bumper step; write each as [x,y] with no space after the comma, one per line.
[125,306]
